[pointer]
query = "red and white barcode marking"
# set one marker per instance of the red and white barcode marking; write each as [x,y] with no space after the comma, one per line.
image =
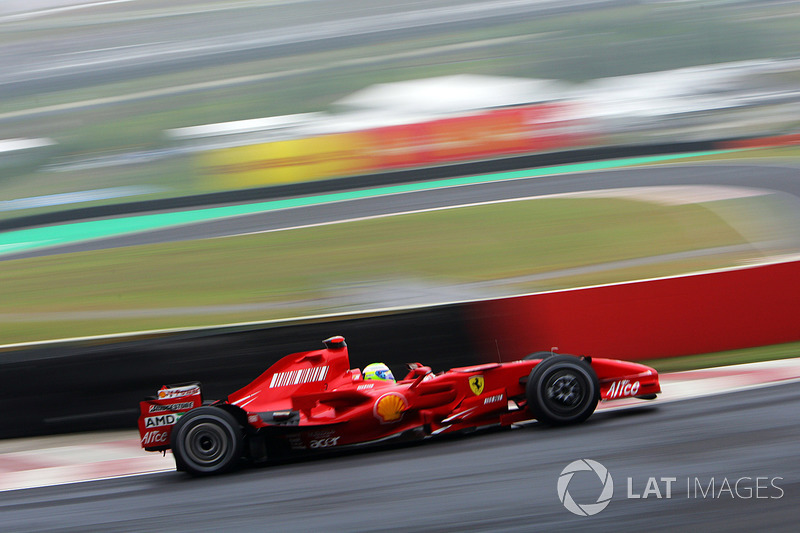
[296,377]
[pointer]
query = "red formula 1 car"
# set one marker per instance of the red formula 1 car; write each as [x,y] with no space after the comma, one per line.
[314,401]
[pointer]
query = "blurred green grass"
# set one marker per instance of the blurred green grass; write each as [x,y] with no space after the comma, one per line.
[314,270]
[731,357]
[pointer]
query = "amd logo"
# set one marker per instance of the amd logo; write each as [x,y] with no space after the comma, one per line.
[161,420]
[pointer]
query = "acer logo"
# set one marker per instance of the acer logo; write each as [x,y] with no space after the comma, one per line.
[324,443]
[622,388]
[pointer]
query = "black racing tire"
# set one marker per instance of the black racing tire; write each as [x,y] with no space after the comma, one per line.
[562,390]
[207,440]
[538,355]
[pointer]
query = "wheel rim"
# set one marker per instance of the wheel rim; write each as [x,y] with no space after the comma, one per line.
[565,391]
[206,443]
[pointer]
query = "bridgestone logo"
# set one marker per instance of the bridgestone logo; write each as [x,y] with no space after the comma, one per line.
[296,377]
[171,407]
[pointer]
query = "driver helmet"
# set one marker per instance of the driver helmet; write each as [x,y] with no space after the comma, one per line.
[378,371]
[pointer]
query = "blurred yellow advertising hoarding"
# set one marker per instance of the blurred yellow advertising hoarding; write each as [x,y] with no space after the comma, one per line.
[281,162]
[485,134]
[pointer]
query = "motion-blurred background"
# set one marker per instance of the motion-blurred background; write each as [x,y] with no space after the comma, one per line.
[120,100]
[175,121]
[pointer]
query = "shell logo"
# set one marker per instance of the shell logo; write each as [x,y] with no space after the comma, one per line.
[390,407]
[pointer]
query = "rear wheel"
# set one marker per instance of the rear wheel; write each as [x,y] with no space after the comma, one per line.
[562,390]
[207,440]
[538,355]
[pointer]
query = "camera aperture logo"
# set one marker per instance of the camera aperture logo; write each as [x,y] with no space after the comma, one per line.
[585,509]
[660,487]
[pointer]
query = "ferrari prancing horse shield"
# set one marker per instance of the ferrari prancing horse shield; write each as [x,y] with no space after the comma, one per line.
[476,385]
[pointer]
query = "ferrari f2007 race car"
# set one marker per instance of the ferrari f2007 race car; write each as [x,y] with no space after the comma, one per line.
[313,401]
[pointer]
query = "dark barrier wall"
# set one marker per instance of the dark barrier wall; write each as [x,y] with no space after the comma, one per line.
[693,314]
[85,386]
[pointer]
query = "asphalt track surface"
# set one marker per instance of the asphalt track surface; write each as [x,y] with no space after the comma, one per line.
[774,177]
[489,481]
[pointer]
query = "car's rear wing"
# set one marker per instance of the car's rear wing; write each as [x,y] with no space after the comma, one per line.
[159,413]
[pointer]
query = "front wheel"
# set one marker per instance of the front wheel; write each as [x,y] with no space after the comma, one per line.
[562,390]
[207,440]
